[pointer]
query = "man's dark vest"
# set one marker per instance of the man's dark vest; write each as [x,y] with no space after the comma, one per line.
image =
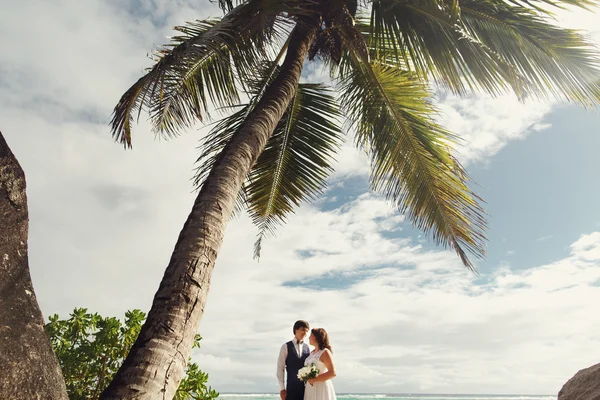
[295,387]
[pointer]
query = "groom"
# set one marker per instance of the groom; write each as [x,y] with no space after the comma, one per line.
[291,359]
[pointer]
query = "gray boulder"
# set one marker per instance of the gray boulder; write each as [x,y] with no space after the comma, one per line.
[584,385]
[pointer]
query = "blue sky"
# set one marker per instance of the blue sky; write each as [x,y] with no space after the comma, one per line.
[404,315]
[541,192]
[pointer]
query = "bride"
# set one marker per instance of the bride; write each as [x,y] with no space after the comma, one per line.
[320,388]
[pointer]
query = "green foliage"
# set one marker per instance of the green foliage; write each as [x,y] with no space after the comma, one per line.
[91,348]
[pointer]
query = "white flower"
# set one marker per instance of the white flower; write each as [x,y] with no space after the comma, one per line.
[310,371]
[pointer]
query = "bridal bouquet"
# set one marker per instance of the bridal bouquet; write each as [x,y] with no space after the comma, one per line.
[308,372]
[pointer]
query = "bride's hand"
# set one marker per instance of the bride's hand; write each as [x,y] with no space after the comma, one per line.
[312,381]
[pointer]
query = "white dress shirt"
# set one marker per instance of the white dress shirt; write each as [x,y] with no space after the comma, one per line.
[283,353]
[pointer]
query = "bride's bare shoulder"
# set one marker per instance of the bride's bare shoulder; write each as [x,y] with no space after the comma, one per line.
[326,353]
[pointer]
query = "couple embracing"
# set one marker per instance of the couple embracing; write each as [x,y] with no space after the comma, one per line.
[309,373]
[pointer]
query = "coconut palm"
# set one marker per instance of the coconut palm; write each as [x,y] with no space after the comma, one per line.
[277,146]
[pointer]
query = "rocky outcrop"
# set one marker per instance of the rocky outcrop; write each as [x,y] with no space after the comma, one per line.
[585,385]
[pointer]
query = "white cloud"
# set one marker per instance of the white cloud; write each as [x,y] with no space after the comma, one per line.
[487,124]
[544,238]
[350,162]
[407,319]
[582,20]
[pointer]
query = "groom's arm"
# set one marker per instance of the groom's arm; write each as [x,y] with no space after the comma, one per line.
[281,371]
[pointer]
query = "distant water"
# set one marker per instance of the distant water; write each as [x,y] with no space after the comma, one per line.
[404,396]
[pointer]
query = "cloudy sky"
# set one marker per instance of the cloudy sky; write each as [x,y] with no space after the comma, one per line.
[403,315]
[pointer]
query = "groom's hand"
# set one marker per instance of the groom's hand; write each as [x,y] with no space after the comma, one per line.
[283,394]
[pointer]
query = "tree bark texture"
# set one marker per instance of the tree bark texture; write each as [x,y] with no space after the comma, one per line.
[29,368]
[156,362]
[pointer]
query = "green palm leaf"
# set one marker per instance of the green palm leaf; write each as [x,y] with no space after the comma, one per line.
[218,137]
[198,69]
[412,163]
[175,89]
[427,37]
[195,70]
[556,61]
[492,45]
[297,159]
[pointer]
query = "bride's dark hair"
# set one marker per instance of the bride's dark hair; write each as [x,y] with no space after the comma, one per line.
[321,337]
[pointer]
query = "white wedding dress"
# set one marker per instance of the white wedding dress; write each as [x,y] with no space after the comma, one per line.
[322,390]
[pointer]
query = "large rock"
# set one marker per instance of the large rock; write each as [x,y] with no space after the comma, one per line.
[585,385]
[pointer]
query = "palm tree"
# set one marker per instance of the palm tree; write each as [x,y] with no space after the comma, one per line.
[29,368]
[276,149]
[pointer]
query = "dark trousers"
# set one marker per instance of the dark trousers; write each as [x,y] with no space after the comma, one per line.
[295,391]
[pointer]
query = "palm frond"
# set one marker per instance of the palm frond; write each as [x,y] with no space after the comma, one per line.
[292,8]
[491,45]
[412,163]
[428,39]
[337,16]
[354,46]
[215,141]
[174,91]
[226,5]
[198,69]
[297,159]
[556,61]
[212,146]
[194,71]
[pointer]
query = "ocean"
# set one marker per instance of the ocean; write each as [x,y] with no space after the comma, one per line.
[404,396]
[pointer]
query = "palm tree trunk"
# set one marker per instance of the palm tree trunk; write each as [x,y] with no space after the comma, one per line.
[156,362]
[29,368]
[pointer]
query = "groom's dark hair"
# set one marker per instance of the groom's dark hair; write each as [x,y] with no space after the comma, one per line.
[300,324]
